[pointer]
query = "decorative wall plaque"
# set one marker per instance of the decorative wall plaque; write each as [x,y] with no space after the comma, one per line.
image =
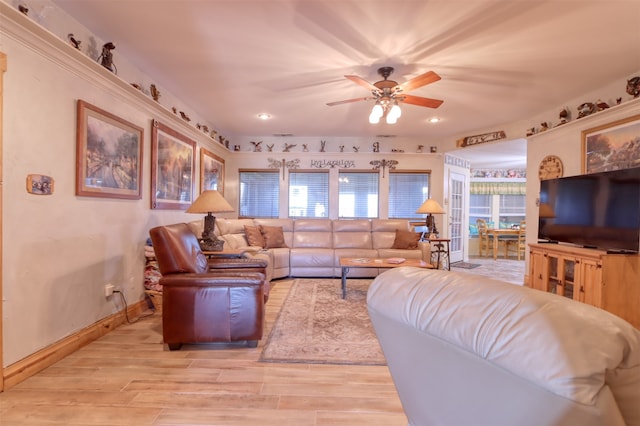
[477,139]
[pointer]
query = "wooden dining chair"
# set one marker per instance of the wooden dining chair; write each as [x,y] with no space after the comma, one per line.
[484,246]
[517,245]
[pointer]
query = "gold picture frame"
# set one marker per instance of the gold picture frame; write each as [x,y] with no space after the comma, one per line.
[172,168]
[108,154]
[211,171]
[611,146]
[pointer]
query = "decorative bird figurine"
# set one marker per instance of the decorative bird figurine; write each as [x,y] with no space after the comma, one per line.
[256,146]
[270,147]
[74,41]
[288,146]
[155,93]
[24,9]
[184,116]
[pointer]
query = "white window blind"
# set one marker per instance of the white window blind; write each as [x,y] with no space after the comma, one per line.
[358,195]
[308,194]
[259,193]
[407,191]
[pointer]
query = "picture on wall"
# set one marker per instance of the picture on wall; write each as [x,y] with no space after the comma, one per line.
[172,168]
[612,146]
[211,171]
[108,154]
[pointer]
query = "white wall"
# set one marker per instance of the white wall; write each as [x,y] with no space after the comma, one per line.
[565,142]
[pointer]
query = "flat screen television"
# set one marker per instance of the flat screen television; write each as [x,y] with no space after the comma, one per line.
[597,210]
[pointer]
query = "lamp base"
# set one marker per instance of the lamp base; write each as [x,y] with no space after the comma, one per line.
[211,245]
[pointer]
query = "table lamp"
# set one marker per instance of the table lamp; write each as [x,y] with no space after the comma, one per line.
[210,201]
[431,207]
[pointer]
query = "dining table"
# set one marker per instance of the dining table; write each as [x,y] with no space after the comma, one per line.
[495,235]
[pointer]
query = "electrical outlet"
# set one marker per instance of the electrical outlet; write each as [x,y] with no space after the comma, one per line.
[108,289]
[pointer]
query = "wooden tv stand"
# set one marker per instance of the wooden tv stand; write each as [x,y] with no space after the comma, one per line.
[607,281]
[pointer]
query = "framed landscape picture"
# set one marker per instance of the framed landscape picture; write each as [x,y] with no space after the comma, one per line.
[211,171]
[612,146]
[108,154]
[172,168]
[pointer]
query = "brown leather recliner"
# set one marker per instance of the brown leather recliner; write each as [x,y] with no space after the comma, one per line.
[203,303]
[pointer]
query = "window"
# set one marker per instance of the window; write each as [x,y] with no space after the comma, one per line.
[479,208]
[358,195]
[512,210]
[308,194]
[407,191]
[259,193]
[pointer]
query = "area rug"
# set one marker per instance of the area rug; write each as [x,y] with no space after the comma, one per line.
[464,265]
[317,326]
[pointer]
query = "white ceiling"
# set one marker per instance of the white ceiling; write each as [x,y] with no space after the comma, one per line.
[500,61]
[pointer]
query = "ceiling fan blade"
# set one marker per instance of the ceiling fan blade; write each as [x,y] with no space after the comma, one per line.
[348,101]
[419,81]
[362,82]
[420,101]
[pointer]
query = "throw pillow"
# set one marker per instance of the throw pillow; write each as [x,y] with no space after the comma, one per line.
[254,236]
[406,240]
[273,236]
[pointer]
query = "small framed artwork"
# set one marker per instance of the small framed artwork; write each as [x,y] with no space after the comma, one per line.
[40,184]
[612,146]
[172,168]
[108,154]
[211,171]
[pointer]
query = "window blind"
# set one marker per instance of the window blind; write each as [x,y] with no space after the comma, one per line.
[407,191]
[308,194]
[259,193]
[358,195]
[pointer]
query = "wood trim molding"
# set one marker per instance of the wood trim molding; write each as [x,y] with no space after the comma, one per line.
[27,367]
[3,68]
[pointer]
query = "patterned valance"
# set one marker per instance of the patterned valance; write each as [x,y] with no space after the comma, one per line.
[498,188]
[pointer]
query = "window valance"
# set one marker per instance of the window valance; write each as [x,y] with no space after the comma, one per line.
[498,188]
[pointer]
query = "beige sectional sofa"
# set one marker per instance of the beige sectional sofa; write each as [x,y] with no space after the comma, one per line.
[314,246]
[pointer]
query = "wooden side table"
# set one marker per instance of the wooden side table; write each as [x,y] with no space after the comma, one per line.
[440,250]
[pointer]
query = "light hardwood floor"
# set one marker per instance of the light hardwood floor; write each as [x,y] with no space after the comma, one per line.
[128,378]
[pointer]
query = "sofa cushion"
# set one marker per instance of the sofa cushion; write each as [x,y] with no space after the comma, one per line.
[406,240]
[254,236]
[273,236]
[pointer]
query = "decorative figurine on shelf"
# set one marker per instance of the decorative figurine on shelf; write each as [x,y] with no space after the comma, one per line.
[341,148]
[184,116]
[74,41]
[205,128]
[544,126]
[618,101]
[585,109]
[531,131]
[601,105]
[433,149]
[356,149]
[305,147]
[24,9]
[288,146]
[175,111]
[419,150]
[256,146]
[376,147]
[155,93]
[563,116]
[633,86]
[270,147]
[106,57]
[322,145]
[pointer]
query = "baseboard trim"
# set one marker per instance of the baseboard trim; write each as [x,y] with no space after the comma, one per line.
[27,367]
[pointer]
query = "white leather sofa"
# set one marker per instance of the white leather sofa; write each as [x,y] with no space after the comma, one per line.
[469,350]
[314,246]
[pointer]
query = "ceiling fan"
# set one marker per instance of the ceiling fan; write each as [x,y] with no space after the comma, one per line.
[388,93]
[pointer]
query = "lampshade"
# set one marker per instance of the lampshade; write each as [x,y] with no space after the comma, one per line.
[210,201]
[430,206]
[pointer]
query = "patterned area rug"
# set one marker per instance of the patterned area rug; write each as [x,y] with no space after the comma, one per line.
[316,325]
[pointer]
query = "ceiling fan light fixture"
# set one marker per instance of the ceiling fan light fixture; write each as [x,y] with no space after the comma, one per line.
[373,118]
[391,119]
[395,111]
[377,110]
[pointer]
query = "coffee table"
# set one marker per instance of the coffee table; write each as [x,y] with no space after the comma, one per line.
[347,263]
